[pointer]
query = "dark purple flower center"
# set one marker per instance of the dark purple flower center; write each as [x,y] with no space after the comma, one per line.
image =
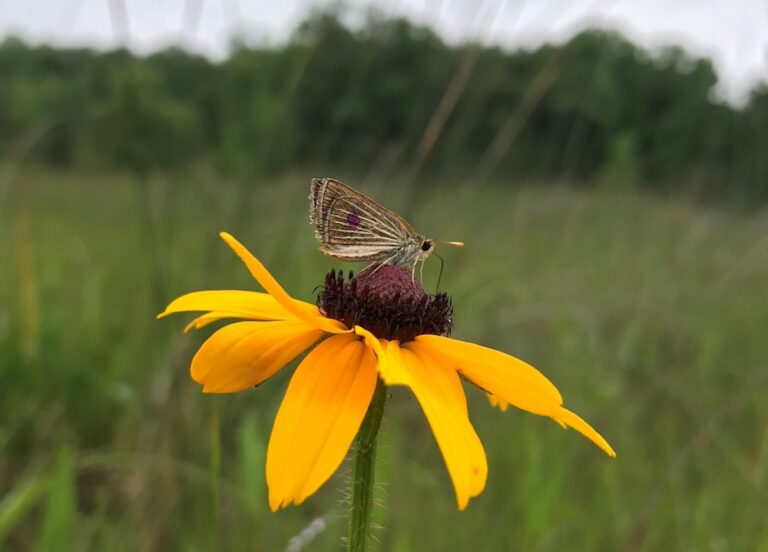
[386,301]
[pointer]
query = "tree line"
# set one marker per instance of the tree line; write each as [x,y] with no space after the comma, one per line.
[391,96]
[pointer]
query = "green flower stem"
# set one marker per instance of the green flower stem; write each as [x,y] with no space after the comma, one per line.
[363,472]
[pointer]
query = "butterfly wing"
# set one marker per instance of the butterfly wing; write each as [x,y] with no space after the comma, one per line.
[353,227]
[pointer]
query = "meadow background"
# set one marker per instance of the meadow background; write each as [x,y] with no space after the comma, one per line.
[613,207]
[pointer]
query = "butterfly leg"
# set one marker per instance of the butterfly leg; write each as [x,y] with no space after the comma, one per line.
[378,267]
[413,269]
[367,267]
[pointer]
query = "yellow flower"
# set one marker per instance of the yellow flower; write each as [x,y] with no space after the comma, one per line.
[330,391]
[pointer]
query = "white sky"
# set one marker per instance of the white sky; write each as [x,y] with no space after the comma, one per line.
[733,33]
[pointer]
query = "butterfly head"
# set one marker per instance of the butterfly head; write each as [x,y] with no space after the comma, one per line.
[426,248]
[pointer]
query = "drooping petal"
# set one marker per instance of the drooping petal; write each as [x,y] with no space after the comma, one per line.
[253,305]
[502,405]
[505,376]
[508,380]
[441,396]
[244,354]
[262,275]
[570,419]
[322,410]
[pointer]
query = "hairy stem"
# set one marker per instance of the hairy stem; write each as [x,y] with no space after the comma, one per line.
[363,472]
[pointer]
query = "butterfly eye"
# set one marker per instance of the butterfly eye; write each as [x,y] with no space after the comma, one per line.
[426,246]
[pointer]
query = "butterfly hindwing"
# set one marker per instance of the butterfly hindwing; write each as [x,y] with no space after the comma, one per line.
[353,227]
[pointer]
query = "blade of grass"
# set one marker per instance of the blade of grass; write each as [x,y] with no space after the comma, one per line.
[19,501]
[252,455]
[61,507]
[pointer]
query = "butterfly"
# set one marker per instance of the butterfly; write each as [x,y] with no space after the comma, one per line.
[353,227]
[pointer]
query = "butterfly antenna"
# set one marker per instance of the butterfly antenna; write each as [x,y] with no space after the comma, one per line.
[439,274]
[455,243]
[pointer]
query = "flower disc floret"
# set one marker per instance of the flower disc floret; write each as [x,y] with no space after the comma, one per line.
[386,301]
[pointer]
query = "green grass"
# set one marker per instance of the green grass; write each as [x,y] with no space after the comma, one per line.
[650,316]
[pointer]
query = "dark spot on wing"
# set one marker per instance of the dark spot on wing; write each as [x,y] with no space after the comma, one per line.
[353,220]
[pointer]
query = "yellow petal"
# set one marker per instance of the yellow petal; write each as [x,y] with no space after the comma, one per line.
[253,305]
[210,317]
[244,354]
[441,396]
[507,380]
[569,419]
[324,405]
[262,275]
[496,402]
[377,346]
[505,376]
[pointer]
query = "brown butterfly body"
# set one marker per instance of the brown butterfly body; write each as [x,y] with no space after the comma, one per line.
[353,227]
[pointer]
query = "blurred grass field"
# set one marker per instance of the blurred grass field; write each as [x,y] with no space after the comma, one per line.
[649,314]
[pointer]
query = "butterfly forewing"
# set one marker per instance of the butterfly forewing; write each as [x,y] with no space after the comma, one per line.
[353,227]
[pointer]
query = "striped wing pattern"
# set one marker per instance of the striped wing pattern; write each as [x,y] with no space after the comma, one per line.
[353,227]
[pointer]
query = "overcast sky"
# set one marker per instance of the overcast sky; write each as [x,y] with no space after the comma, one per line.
[733,33]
